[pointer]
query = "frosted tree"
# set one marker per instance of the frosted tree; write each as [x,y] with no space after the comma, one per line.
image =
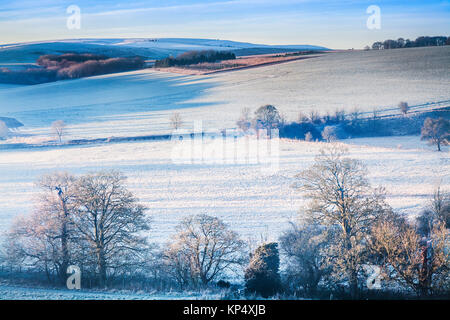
[44,239]
[111,221]
[342,199]
[422,264]
[58,128]
[329,134]
[267,117]
[244,123]
[306,265]
[176,121]
[404,107]
[203,249]
[436,131]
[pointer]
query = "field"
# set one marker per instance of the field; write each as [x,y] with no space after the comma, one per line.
[239,63]
[254,204]
[141,102]
[257,204]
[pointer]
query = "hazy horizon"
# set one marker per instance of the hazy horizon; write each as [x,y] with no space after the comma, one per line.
[332,24]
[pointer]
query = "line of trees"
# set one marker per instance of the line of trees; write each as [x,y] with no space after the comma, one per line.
[265,117]
[348,226]
[423,41]
[195,57]
[94,222]
[91,221]
[70,66]
[340,125]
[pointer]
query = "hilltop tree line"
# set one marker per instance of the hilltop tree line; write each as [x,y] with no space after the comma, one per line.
[339,125]
[423,41]
[195,57]
[70,66]
[94,222]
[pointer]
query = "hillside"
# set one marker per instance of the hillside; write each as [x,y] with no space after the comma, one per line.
[137,103]
[147,48]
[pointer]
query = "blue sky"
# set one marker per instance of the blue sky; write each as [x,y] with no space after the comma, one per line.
[334,24]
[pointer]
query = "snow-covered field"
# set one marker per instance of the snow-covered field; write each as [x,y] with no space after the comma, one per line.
[141,102]
[256,204]
[14,292]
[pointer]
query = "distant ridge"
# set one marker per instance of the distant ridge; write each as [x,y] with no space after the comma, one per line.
[11,123]
[149,48]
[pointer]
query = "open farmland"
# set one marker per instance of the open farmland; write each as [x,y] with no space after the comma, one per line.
[255,204]
[141,102]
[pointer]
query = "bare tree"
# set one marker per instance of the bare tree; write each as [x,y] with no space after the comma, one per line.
[354,115]
[267,117]
[58,128]
[244,123]
[176,121]
[302,117]
[44,239]
[329,134]
[110,220]
[436,131]
[203,248]
[304,247]
[404,107]
[423,264]
[440,205]
[314,116]
[342,197]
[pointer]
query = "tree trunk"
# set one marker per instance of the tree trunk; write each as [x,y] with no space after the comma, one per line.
[64,243]
[101,263]
[354,285]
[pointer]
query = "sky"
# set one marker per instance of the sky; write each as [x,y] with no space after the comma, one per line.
[330,23]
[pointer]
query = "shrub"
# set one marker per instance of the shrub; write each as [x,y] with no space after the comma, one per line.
[300,131]
[262,275]
[329,134]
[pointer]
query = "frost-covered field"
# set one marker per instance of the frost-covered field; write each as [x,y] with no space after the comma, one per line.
[141,102]
[14,292]
[256,203]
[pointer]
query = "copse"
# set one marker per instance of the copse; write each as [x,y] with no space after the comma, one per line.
[70,66]
[423,41]
[195,57]
[415,261]
[91,221]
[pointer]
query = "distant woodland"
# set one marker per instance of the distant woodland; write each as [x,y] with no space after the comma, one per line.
[195,57]
[419,42]
[69,66]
